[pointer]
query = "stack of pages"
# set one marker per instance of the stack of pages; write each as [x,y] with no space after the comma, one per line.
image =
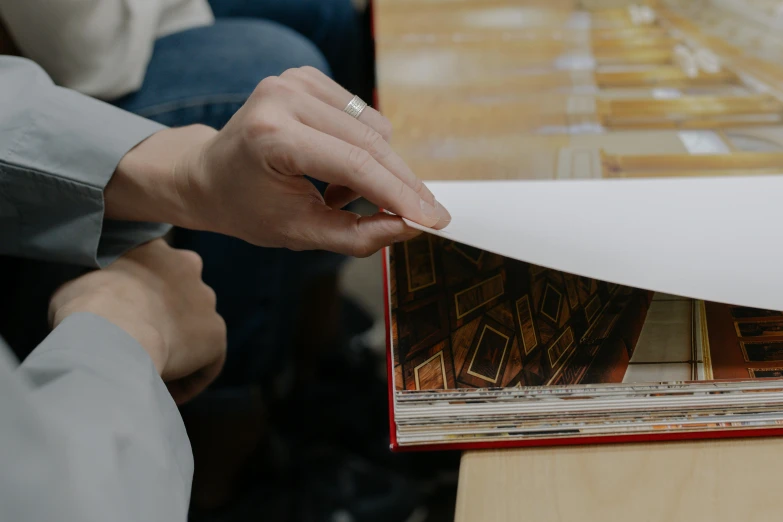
[616,277]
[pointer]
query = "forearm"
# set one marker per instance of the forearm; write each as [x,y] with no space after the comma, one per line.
[94,429]
[58,151]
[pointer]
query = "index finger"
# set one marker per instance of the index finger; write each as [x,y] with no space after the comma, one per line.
[322,117]
[330,159]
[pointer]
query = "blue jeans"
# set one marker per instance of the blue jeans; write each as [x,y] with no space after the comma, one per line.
[203,75]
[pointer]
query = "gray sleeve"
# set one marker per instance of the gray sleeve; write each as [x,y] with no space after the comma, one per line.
[58,151]
[89,432]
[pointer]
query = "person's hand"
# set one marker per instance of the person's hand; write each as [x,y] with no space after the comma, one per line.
[248,179]
[155,293]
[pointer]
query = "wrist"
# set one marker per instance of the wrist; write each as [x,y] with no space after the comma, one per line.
[150,181]
[123,309]
[144,334]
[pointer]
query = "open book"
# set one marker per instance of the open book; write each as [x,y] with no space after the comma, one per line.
[488,349]
[614,268]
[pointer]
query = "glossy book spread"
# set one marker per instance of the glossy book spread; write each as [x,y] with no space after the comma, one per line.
[466,323]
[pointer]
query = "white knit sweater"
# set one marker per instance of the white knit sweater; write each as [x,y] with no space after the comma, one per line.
[97,47]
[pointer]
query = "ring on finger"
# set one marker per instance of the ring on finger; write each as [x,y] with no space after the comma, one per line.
[355,107]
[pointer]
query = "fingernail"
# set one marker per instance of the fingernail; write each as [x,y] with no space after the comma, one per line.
[437,214]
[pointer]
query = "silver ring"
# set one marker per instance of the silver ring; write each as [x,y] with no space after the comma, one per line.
[355,107]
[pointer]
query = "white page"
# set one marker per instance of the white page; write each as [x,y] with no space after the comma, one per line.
[717,239]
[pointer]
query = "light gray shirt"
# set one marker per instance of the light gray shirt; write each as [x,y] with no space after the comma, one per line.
[88,431]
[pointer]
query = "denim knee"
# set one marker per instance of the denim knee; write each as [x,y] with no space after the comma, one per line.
[218,66]
[264,46]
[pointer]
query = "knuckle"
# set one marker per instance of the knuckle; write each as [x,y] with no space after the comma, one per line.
[295,78]
[310,71]
[305,74]
[359,161]
[305,78]
[192,261]
[374,143]
[298,73]
[385,128]
[401,190]
[273,86]
[418,185]
[361,246]
[211,296]
[293,72]
[263,123]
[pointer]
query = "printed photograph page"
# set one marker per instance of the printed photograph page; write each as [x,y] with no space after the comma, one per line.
[462,317]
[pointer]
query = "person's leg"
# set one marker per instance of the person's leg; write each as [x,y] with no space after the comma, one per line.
[333,25]
[203,75]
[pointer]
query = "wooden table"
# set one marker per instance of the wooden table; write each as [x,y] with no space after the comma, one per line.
[723,481]
[450,79]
